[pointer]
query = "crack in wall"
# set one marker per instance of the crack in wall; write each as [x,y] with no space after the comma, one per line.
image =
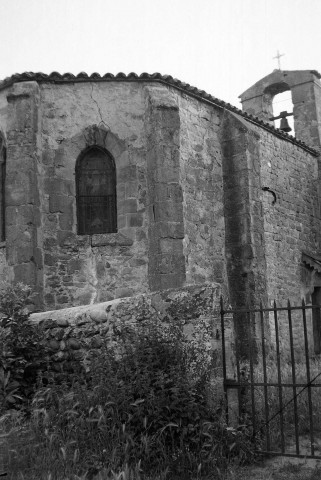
[95,101]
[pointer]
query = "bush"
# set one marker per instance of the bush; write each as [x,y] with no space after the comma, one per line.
[142,409]
[22,354]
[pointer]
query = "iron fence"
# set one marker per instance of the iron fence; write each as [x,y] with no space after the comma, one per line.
[271,383]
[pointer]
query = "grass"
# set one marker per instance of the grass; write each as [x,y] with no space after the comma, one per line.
[148,408]
[143,412]
[69,437]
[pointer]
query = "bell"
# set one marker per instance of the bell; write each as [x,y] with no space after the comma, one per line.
[284,125]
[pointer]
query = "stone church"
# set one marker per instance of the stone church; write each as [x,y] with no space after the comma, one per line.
[113,186]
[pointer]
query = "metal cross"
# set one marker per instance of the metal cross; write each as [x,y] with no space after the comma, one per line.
[278,56]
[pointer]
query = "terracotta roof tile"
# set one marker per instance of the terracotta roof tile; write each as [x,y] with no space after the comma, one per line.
[56,77]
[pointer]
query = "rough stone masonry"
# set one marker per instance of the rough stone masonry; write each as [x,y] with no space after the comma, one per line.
[205,193]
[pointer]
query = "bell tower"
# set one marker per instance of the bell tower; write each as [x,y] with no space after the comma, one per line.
[305,90]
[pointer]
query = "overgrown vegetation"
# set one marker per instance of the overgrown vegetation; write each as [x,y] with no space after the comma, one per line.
[22,353]
[143,409]
[147,406]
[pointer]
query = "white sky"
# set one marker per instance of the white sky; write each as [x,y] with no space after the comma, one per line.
[220,46]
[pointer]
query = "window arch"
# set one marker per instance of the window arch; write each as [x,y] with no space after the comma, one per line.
[3,157]
[96,192]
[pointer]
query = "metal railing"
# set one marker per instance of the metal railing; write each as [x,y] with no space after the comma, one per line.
[277,391]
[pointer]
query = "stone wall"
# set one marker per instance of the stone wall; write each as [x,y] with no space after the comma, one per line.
[292,223]
[3,111]
[194,196]
[202,186]
[272,216]
[166,263]
[83,269]
[73,332]
[5,271]
[23,215]
[244,233]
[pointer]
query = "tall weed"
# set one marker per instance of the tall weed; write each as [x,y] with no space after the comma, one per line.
[142,408]
[22,352]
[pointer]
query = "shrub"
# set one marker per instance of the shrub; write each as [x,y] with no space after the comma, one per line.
[141,409]
[21,351]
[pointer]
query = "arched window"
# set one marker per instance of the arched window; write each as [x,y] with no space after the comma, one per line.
[96,192]
[3,153]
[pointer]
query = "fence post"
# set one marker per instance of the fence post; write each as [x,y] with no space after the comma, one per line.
[231,386]
[3,454]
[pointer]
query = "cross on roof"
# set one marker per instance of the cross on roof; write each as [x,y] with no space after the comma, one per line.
[278,56]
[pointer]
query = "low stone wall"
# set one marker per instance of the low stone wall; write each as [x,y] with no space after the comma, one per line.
[72,332]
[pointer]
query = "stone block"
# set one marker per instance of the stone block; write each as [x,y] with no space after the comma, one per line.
[59,186]
[169,229]
[73,344]
[98,316]
[23,215]
[140,235]
[162,282]
[66,220]
[134,219]
[137,262]
[123,292]
[172,263]
[49,299]
[121,221]
[74,265]
[50,260]
[47,157]
[131,190]
[53,345]
[163,165]
[84,298]
[168,211]
[127,174]
[96,342]
[21,188]
[129,233]
[121,188]
[25,273]
[50,243]
[171,245]
[59,159]
[166,263]
[111,239]
[25,253]
[61,204]
[66,238]
[104,296]
[128,205]
[63,299]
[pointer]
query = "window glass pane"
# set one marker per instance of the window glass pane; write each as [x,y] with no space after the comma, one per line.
[96,193]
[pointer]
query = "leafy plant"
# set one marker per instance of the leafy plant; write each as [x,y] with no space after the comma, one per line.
[22,353]
[142,411]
